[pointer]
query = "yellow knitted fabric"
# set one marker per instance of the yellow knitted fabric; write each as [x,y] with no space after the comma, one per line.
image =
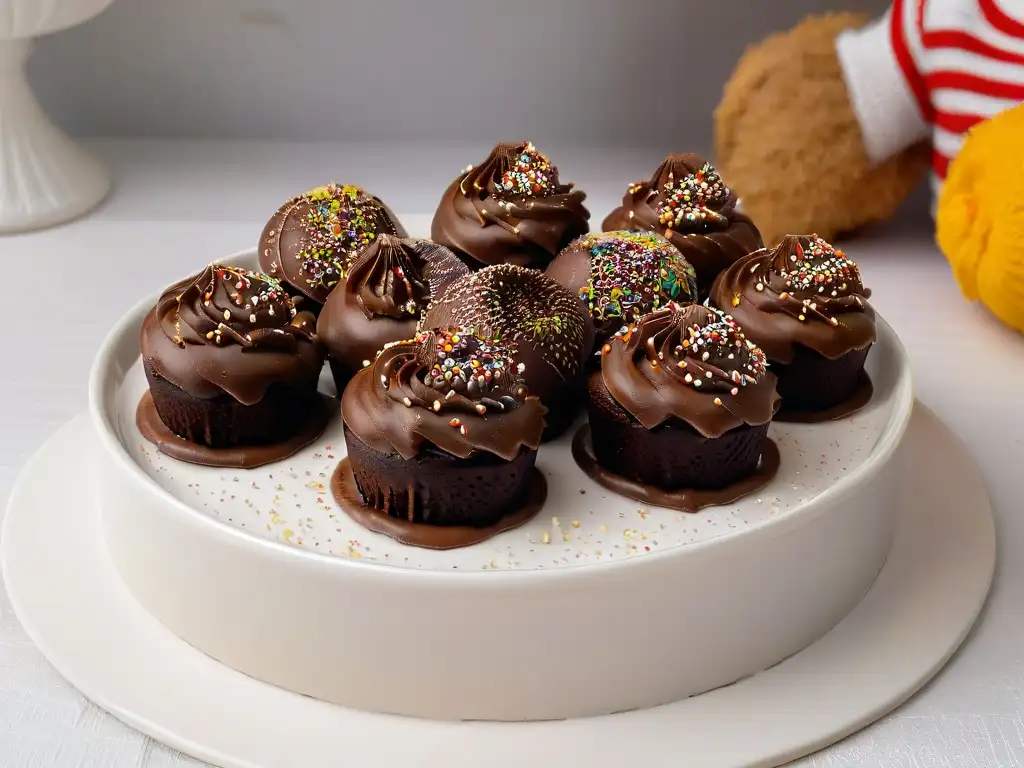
[980,216]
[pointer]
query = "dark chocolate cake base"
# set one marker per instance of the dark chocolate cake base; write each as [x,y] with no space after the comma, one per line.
[346,494]
[683,499]
[564,409]
[342,375]
[437,488]
[812,382]
[672,455]
[223,422]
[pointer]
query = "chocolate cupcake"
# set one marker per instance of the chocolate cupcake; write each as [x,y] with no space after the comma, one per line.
[229,360]
[803,302]
[511,209]
[689,203]
[622,276]
[311,240]
[682,401]
[542,322]
[440,431]
[383,298]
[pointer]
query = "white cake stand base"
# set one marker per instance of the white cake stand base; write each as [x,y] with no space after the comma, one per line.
[83,619]
[45,178]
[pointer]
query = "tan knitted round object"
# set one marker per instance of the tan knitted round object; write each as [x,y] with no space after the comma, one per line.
[787,139]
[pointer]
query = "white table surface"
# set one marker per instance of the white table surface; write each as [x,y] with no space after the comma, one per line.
[178,205]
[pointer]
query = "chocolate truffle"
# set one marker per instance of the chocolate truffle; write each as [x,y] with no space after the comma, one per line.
[622,276]
[510,209]
[682,400]
[689,203]
[542,322]
[229,360]
[440,430]
[383,298]
[312,239]
[803,302]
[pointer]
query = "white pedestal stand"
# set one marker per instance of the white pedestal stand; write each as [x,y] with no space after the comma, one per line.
[45,178]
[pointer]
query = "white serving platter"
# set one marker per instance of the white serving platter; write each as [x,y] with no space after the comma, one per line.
[599,605]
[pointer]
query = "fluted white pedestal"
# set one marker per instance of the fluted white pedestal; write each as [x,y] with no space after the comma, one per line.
[45,178]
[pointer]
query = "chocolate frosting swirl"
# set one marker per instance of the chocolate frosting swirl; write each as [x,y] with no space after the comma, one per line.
[229,330]
[448,389]
[386,293]
[691,364]
[622,276]
[512,209]
[804,292]
[689,203]
[312,240]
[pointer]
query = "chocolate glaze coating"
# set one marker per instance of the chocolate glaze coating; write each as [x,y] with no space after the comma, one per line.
[691,365]
[387,291]
[512,208]
[542,322]
[448,390]
[312,239]
[686,201]
[622,276]
[230,331]
[802,293]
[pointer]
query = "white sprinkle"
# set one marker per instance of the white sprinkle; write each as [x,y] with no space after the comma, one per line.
[227,314]
[696,382]
[252,318]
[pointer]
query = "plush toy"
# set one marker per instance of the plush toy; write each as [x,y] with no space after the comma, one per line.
[980,219]
[829,126]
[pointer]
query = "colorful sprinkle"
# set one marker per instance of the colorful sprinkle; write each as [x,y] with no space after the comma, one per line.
[634,273]
[527,174]
[341,220]
[692,200]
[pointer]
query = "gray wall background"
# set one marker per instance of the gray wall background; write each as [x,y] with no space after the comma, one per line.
[594,72]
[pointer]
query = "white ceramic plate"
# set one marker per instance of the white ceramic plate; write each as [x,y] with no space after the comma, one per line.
[71,602]
[635,607]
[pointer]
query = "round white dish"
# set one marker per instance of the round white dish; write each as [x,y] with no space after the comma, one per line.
[544,622]
[75,608]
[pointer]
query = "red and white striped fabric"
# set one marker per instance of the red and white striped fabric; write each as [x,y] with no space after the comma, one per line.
[933,68]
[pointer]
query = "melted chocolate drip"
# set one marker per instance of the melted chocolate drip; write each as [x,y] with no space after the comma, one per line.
[237,457]
[346,494]
[685,500]
[861,397]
